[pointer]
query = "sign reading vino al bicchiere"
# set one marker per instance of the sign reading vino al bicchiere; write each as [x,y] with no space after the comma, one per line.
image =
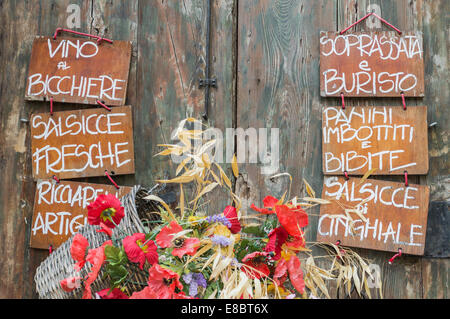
[384,140]
[75,70]
[82,143]
[371,64]
[390,215]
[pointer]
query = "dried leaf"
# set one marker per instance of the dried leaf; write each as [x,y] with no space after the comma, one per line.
[205,190]
[234,166]
[309,189]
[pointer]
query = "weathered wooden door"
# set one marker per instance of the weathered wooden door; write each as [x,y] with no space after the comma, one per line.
[266,61]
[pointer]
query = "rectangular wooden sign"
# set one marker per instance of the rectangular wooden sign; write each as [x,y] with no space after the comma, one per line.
[76,70]
[60,209]
[82,143]
[392,216]
[373,64]
[390,140]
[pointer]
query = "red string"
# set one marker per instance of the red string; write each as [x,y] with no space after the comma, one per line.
[365,17]
[403,101]
[406,178]
[99,39]
[343,102]
[346,175]
[51,106]
[395,256]
[112,181]
[100,103]
[56,179]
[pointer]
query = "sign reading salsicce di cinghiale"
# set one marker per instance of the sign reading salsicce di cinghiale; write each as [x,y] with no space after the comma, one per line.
[76,70]
[371,64]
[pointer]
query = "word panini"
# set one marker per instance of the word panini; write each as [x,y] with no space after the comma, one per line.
[371,64]
[78,71]
[82,143]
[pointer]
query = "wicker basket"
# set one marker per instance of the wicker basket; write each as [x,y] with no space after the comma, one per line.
[59,265]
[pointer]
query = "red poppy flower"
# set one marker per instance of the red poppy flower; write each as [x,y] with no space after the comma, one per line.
[231,214]
[105,229]
[295,242]
[280,274]
[116,293]
[70,283]
[163,282]
[181,245]
[78,250]
[96,257]
[146,293]
[295,273]
[137,252]
[181,295]
[256,260]
[277,237]
[268,202]
[106,209]
[292,219]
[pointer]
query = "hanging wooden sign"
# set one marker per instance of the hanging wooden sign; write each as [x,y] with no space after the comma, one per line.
[82,143]
[388,140]
[76,70]
[371,64]
[390,215]
[60,209]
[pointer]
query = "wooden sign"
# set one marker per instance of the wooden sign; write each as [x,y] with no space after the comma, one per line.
[82,143]
[76,70]
[390,140]
[371,64]
[392,216]
[60,209]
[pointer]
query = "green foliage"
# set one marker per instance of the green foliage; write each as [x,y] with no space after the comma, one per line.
[116,261]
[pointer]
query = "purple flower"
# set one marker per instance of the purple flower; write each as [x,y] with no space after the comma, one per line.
[219,218]
[221,240]
[194,280]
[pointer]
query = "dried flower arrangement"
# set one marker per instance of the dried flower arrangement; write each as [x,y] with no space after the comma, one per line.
[189,253]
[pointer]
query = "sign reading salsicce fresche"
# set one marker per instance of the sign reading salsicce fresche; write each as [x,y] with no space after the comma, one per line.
[391,215]
[60,209]
[381,139]
[76,70]
[371,64]
[82,143]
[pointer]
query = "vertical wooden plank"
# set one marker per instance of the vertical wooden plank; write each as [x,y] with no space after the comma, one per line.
[21,21]
[434,23]
[278,61]
[404,280]
[278,87]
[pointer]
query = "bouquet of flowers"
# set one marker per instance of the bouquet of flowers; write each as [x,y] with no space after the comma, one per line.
[190,253]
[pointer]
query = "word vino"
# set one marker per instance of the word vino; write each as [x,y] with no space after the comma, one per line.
[78,71]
